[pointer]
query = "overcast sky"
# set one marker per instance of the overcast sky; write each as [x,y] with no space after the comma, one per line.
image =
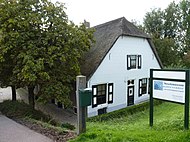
[101,11]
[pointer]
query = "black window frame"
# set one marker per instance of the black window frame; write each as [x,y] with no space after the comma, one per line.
[134,62]
[99,97]
[143,84]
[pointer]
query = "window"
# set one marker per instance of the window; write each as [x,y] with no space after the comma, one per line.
[134,61]
[142,86]
[99,94]
[102,111]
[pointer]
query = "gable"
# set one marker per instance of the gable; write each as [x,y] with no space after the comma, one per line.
[105,36]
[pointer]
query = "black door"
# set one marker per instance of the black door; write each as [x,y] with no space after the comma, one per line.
[130,95]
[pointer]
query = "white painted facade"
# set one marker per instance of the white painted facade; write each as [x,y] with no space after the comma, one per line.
[113,69]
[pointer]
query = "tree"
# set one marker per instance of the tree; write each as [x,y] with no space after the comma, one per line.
[163,26]
[184,28]
[6,69]
[43,45]
[166,50]
[153,23]
[184,24]
[5,77]
[174,25]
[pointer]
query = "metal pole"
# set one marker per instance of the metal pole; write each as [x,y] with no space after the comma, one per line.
[81,111]
[151,98]
[186,120]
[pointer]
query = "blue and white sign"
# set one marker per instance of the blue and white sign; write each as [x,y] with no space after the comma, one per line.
[170,85]
[169,90]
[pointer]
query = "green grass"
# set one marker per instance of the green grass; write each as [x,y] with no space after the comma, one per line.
[168,126]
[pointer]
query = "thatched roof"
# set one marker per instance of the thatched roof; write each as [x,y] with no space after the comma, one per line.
[105,36]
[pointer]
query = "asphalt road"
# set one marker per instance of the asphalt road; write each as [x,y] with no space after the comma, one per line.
[10,131]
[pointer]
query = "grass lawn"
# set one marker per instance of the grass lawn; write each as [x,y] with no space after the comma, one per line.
[168,127]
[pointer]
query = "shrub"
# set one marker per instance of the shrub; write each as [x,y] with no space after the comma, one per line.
[123,112]
[68,126]
[19,109]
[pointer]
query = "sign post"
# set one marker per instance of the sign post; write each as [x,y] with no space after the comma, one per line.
[84,98]
[151,100]
[172,86]
[81,110]
[186,122]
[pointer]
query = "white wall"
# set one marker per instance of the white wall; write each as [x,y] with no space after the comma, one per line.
[113,69]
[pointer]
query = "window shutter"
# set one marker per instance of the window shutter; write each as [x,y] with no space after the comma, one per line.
[139,61]
[110,93]
[140,87]
[94,96]
[148,85]
[128,62]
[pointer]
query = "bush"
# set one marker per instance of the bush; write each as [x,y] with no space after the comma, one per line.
[123,112]
[19,109]
[68,126]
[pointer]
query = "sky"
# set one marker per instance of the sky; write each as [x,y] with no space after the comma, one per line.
[100,11]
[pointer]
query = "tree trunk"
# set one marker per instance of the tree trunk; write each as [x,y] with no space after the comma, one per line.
[13,93]
[31,96]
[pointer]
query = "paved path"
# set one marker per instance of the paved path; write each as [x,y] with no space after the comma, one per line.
[10,131]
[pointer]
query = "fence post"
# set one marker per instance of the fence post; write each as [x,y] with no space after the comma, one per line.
[81,111]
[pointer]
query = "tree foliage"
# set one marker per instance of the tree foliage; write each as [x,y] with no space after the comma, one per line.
[40,46]
[170,31]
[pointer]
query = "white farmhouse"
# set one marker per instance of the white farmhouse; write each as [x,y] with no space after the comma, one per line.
[117,66]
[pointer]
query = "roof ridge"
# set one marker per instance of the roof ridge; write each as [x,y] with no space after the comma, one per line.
[122,25]
[106,23]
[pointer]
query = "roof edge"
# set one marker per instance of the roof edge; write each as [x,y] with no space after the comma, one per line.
[149,41]
[88,77]
[155,52]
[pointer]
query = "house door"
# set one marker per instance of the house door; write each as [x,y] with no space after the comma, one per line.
[130,92]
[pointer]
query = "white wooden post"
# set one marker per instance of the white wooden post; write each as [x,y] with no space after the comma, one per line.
[81,111]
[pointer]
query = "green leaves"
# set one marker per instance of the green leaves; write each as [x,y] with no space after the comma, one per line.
[170,31]
[41,46]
